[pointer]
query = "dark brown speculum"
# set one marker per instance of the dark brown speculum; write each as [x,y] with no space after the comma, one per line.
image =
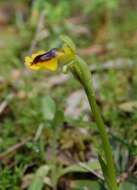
[45,56]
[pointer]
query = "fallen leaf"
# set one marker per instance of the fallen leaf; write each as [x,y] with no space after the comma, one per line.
[128,106]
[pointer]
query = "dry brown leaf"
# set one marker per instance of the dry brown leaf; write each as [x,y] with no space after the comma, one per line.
[128,106]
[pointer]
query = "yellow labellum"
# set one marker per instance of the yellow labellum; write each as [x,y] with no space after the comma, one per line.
[49,60]
[50,64]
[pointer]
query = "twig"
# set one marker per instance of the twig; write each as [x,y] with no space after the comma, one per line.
[13,148]
[4,104]
[38,132]
[38,29]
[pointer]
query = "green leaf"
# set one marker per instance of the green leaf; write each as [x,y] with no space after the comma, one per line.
[37,182]
[58,118]
[103,165]
[83,167]
[128,186]
[105,171]
[48,108]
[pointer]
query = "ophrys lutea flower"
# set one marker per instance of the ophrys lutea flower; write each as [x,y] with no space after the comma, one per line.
[49,60]
[42,60]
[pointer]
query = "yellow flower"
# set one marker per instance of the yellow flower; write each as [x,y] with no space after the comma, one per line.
[49,60]
[42,61]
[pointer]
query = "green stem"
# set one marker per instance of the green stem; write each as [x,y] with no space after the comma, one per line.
[81,71]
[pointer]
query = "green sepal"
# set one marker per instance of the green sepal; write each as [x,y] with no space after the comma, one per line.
[66,40]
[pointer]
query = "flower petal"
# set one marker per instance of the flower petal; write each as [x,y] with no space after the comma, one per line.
[28,60]
[50,65]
